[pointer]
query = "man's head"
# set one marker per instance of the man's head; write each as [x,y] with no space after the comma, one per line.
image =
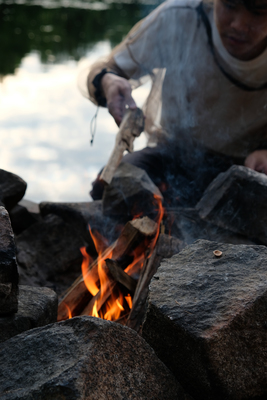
[242,25]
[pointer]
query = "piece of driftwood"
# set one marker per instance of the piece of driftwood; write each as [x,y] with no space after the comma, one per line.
[166,247]
[77,297]
[120,276]
[131,127]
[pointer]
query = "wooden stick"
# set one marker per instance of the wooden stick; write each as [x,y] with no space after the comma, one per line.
[131,126]
[166,247]
[120,276]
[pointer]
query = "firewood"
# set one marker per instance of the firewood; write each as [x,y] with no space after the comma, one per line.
[78,296]
[88,310]
[166,247]
[120,276]
[131,126]
[133,233]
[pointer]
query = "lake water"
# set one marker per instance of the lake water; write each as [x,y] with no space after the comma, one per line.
[44,120]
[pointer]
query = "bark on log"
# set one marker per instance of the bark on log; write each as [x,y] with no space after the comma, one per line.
[131,127]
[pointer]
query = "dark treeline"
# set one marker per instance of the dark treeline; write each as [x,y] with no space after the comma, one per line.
[60,33]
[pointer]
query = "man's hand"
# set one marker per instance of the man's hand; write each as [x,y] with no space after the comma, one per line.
[257,161]
[118,93]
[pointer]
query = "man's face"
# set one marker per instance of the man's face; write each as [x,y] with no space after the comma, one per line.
[243,32]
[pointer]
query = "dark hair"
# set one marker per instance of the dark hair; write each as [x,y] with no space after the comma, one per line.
[251,5]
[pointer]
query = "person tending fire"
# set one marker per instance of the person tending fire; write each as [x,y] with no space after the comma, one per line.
[207,108]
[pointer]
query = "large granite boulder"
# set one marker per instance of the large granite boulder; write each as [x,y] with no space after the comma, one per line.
[83,358]
[206,320]
[8,266]
[237,200]
[36,307]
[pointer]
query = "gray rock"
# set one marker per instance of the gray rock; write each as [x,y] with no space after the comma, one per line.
[186,224]
[12,189]
[130,193]
[80,216]
[83,358]
[36,307]
[48,254]
[21,219]
[206,320]
[8,267]
[236,200]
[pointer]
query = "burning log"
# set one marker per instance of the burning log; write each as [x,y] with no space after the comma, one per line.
[98,300]
[166,247]
[131,127]
[79,296]
[120,276]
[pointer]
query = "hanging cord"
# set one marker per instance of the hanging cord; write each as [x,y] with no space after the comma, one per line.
[93,126]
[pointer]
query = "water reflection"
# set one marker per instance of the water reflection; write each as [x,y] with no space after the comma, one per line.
[44,120]
[61,33]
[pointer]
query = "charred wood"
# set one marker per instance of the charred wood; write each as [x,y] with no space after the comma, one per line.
[120,276]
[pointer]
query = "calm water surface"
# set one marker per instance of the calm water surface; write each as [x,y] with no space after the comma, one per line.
[44,120]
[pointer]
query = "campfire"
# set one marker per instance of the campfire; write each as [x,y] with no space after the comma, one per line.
[208,297]
[108,283]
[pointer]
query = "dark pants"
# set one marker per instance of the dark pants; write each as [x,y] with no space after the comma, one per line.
[182,174]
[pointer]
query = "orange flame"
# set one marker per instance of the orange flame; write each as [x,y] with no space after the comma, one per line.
[129,301]
[110,303]
[69,310]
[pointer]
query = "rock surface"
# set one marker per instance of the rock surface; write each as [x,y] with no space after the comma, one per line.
[36,307]
[237,200]
[80,216]
[130,193]
[206,320]
[8,267]
[48,254]
[12,189]
[83,358]
[21,219]
[186,224]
